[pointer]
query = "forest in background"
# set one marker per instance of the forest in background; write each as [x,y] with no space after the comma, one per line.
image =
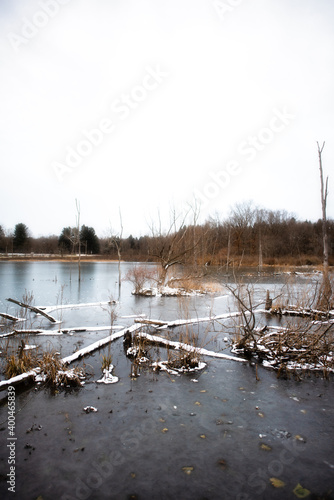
[248,236]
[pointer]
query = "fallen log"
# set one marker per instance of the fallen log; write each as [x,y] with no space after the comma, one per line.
[7,334]
[187,347]
[63,331]
[34,309]
[291,310]
[190,321]
[19,378]
[99,343]
[154,322]
[58,307]
[31,331]
[11,318]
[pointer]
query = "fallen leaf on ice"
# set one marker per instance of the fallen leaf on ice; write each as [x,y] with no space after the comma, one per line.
[203,390]
[187,470]
[277,483]
[301,492]
[203,436]
[164,430]
[260,414]
[198,403]
[300,438]
[265,447]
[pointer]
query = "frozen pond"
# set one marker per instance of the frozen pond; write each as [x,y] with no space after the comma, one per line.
[218,433]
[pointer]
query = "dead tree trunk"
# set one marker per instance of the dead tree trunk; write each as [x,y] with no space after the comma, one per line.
[79,243]
[260,252]
[228,249]
[324,300]
[119,256]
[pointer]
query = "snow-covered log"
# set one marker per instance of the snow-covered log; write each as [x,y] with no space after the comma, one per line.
[187,347]
[58,307]
[154,322]
[8,334]
[11,318]
[100,343]
[179,322]
[19,378]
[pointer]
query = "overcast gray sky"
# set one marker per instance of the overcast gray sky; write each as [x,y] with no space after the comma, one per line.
[145,104]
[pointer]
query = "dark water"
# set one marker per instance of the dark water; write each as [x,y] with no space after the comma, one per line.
[162,436]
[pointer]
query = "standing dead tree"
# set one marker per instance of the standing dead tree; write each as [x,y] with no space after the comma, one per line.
[78,237]
[325,295]
[116,242]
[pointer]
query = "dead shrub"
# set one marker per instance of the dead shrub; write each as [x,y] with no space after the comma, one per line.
[141,276]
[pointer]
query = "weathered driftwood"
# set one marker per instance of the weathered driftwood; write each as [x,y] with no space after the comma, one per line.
[34,309]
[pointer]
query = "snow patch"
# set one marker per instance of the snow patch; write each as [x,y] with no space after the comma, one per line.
[108,378]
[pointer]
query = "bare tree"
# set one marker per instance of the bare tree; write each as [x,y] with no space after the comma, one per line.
[324,300]
[241,221]
[173,246]
[119,254]
[78,236]
[116,240]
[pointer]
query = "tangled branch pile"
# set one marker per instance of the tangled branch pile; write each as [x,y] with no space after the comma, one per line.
[305,345]
[289,350]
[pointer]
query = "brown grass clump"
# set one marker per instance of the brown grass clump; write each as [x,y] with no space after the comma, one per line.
[55,373]
[50,368]
[18,364]
[106,362]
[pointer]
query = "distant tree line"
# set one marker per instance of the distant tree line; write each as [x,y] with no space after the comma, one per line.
[247,235]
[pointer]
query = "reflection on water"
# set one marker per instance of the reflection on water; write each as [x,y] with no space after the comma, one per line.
[51,282]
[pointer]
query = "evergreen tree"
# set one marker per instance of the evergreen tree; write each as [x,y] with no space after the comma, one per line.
[20,237]
[90,242]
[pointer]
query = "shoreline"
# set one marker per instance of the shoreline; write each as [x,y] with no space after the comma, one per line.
[102,258]
[55,258]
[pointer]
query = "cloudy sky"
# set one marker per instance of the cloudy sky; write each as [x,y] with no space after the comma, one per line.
[144,105]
